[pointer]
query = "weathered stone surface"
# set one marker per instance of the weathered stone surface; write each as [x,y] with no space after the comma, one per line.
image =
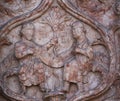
[59,50]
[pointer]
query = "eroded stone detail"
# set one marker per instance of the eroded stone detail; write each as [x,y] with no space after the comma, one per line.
[13,8]
[100,10]
[59,56]
[117,7]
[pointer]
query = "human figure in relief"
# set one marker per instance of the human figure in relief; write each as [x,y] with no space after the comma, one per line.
[78,67]
[31,68]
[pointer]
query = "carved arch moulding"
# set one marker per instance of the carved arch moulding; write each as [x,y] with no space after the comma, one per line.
[59,50]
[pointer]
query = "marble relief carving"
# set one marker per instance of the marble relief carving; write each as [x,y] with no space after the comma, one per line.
[59,50]
[13,8]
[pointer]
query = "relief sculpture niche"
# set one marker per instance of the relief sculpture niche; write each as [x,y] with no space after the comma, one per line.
[49,52]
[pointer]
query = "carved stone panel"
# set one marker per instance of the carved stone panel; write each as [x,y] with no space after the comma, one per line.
[59,50]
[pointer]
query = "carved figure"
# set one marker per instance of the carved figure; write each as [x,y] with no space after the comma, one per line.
[78,67]
[31,69]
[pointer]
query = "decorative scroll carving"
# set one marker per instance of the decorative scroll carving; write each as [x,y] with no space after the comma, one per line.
[116,30]
[13,8]
[117,7]
[98,10]
[60,53]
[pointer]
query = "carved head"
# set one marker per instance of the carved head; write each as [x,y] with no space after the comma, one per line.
[78,30]
[27,31]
